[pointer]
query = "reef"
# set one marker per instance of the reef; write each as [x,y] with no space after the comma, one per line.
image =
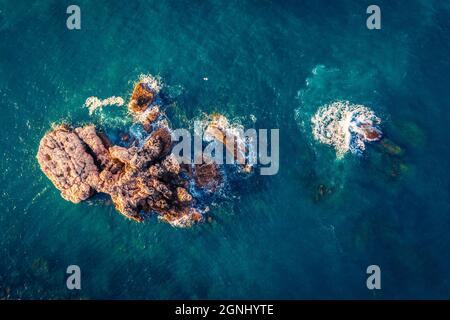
[141,178]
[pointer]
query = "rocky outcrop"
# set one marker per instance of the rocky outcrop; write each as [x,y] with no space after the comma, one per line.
[67,161]
[97,144]
[142,96]
[151,118]
[183,195]
[207,176]
[231,137]
[141,178]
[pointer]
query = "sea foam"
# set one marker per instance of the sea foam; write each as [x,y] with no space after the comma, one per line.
[346,127]
[93,103]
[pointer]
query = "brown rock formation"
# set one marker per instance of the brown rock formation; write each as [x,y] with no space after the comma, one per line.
[183,195]
[65,160]
[139,180]
[207,176]
[183,218]
[95,143]
[150,118]
[218,128]
[221,130]
[141,98]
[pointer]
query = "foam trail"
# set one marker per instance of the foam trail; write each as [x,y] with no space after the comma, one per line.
[94,103]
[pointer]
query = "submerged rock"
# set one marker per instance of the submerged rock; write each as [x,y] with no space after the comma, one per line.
[391,148]
[40,266]
[321,192]
[411,134]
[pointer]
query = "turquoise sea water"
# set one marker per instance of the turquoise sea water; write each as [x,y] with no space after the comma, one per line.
[276,237]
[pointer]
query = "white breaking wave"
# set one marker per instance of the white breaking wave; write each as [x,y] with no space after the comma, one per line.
[219,128]
[152,82]
[345,126]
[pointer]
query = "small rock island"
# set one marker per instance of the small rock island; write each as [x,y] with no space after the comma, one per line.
[141,179]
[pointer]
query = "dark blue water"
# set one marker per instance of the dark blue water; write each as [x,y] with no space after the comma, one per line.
[277,236]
